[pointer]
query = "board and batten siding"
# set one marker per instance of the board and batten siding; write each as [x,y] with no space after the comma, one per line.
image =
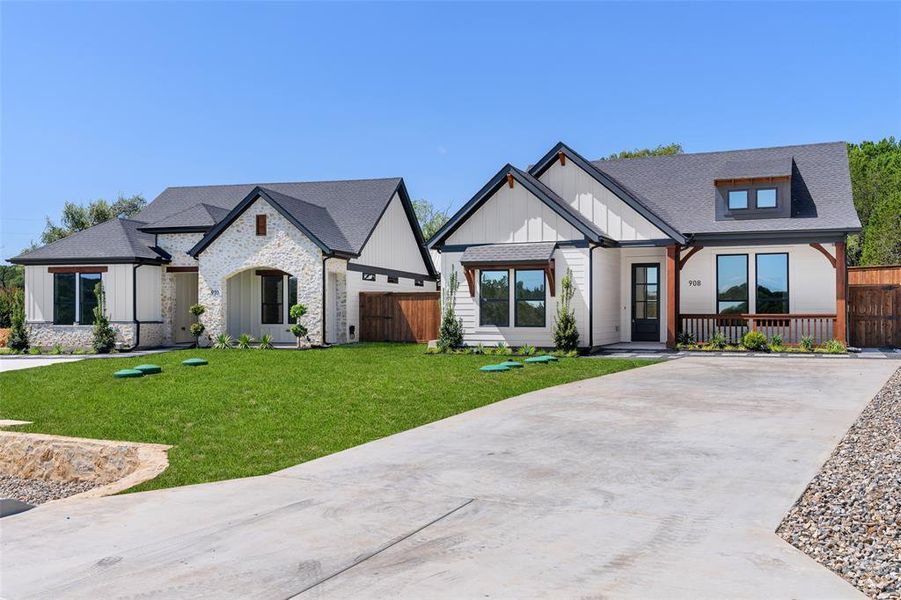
[467,307]
[811,278]
[392,244]
[606,267]
[117,284]
[149,285]
[602,207]
[513,215]
[355,285]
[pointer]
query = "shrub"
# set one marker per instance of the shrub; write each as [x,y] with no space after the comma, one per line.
[450,334]
[197,309]
[526,350]
[685,338]
[806,343]
[57,349]
[104,334]
[244,341]
[297,311]
[265,342]
[223,342]
[18,333]
[34,350]
[566,335]
[776,341]
[754,340]
[717,340]
[501,349]
[833,347]
[478,349]
[197,328]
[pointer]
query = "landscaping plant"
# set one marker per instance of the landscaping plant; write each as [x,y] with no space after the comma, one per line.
[450,335]
[526,350]
[297,312]
[265,342]
[833,347]
[806,343]
[104,334]
[717,340]
[18,333]
[245,341]
[754,340]
[223,342]
[197,328]
[57,349]
[777,343]
[566,335]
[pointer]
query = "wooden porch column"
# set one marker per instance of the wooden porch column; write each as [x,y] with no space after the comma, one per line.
[841,292]
[672,294]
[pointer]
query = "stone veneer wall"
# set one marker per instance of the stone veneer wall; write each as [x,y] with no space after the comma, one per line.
[176,244]
[238,248]
[70,337]
[339,268]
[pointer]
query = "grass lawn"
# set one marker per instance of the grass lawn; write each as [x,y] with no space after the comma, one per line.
[251,412]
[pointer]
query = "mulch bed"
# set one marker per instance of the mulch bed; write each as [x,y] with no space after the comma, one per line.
[849,517]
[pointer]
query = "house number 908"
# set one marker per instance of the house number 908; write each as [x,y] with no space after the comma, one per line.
[694,283]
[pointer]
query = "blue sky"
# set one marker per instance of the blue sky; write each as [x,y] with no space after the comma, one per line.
[108,98]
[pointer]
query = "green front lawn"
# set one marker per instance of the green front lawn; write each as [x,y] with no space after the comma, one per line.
[251,412]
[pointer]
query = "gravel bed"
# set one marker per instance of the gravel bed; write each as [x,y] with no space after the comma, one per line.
[38,491]
[849,517]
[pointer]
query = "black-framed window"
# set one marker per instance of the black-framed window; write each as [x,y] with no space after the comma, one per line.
[529,298]
[767,197]
[771,274]
[418,282]
[65,291]
[393,279]
[737,199]
[646,291]
[272,304]
[732,283]
[292,291]
[494,298]
[368,276]
[87,296]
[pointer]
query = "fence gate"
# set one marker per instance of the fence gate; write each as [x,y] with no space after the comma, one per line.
[874,306]
[399,317]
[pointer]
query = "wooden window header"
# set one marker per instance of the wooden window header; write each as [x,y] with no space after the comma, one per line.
[750,180]
[261,224]
[469,270]
[181,269]
[76,269]
[271,272]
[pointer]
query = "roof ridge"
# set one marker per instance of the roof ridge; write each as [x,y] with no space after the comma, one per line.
[733,151]
[183,187]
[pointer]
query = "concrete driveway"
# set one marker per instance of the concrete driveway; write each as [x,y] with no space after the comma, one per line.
[665,481]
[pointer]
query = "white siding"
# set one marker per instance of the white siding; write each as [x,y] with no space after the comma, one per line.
[628,257]
[811,278]
[149,278]
[468,308]
[601,206]
[119,290]
[244,312]
[355,285]
[606,295]
[38,294]
[393,244]
[513,215]
[117,284]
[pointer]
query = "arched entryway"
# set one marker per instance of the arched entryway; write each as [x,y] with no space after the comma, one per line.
[257,303]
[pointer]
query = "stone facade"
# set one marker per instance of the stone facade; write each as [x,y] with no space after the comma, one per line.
[71,337]
[176,244]
[238,248]
[338,269]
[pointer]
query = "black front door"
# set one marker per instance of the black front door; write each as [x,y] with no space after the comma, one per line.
[646,302]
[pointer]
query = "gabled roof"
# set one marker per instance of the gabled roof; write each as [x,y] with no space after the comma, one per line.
[199,217]
[537,189]
[116,240]
[680,188]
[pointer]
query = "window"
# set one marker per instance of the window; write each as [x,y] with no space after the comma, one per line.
[529,297]
[368,276]
[418,282]
[766,198]
[272,298]
[494,298]
[732,283]
[261,224]
[64,293]
[646,291]
[738,199]
[87,284]
[772,283]
[392,279]
[292,290]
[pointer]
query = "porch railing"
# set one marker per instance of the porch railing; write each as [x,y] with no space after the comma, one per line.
[791,327]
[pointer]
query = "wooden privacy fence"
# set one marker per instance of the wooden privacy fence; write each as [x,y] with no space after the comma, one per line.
[399,317]
[874,306]
[820,327]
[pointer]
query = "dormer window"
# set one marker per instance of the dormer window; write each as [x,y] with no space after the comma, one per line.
[766,198]
[738,199]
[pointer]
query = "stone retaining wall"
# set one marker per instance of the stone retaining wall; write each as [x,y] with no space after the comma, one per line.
[71,337]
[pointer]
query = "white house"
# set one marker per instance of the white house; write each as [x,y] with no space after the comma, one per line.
[692,243]
[246,252]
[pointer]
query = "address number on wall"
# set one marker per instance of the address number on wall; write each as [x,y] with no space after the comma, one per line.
[694,283]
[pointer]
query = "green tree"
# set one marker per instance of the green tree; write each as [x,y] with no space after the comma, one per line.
[450,334]
[77,217]
[882,242]
[430,218]
[12,276]
[662,150]
[104,339]
[18,335]
[566,335]
[875,177]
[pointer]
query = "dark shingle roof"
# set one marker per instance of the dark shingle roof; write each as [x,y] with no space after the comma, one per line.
[316,219]
[353,207]
[199,216]
[114,240]
[509,253]
[680,188]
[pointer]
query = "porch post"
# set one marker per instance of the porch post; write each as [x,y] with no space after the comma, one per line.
[672,293]
[841,292]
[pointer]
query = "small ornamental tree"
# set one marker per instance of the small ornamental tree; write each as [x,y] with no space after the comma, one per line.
[104,334]
[18,334]
[566,335]
[297,312]
[197,328]
[450,335]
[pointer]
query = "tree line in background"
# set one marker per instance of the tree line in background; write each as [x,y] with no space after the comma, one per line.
[875,183]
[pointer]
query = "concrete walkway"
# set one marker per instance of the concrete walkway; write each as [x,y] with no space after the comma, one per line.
[666,481]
